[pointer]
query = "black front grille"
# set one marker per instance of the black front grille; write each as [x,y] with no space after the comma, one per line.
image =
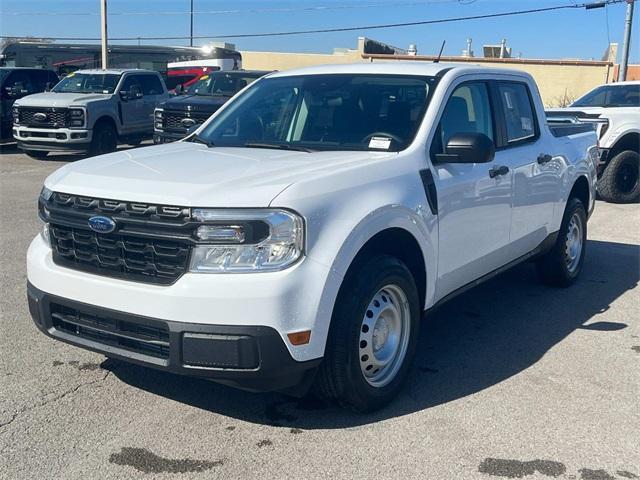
[148,339]
[49,117]
[151,243]
[127,256]
[172,121]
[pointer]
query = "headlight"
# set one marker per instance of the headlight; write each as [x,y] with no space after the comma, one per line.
[44,233]
[76,117]
[246,240]
[45,193]
[157,118]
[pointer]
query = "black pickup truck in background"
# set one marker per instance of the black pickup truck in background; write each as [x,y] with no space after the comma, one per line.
[16,83]
[176,116]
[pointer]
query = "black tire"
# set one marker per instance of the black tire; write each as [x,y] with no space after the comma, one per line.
[105,139]
[620,181]
[341,376]
[37,154]
[556,268]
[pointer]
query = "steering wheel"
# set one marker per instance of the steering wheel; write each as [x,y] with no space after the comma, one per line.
[382,134]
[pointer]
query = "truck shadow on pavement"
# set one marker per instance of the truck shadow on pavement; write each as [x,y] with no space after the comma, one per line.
[481,338]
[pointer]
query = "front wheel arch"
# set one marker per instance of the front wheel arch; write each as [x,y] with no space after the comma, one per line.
[398,243]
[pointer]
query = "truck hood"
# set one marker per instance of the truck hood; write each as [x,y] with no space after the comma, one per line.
[50,99]
[194,175]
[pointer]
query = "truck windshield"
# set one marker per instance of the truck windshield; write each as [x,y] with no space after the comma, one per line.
[221,83]
[87,83]
[324,112]
[611,96]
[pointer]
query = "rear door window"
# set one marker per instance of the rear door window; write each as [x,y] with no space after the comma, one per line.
[519,116]
[151,85]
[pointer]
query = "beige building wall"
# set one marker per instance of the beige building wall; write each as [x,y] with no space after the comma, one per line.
[560,82]
[287,61]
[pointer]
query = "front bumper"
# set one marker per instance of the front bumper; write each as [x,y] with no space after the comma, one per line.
[49,139]
[288,301]
[250,357]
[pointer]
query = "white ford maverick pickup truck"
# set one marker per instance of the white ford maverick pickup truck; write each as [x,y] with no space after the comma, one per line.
[295,239]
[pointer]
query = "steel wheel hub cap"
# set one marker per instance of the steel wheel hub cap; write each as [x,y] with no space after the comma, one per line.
[384,335]
[573,244]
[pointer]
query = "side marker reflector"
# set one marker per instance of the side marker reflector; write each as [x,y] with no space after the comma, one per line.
[299,338]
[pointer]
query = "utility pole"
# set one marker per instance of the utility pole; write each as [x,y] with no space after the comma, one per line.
[622,75]
[191,35]
[103,31]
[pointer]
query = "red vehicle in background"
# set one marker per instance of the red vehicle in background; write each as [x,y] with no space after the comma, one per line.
[188,72]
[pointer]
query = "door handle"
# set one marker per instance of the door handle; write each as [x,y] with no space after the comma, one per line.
[544,158]
[498,170]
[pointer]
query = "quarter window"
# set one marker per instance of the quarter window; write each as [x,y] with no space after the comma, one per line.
[518,112]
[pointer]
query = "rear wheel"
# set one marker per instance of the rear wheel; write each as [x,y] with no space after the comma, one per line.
[619,183]
[37,154]
[373,335]
[105,139]
[561,266]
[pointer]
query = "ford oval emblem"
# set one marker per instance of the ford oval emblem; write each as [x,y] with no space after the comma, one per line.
[187,122]
[40,117]
[102,224]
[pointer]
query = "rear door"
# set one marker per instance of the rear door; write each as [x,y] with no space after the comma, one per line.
[536,172]
[474,208]
[154,93]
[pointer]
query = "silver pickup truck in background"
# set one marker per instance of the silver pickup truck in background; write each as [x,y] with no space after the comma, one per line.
[89,111]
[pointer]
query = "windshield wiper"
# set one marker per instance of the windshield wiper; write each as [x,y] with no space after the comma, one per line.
[279,146]
[198,139]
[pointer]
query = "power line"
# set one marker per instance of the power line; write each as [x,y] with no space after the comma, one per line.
[350,29]
[316,8]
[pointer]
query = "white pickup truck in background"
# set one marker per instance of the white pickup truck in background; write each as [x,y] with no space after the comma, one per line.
[296,238]
[89,111]
[617,105]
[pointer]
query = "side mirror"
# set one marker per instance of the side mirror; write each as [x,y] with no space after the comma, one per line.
[124,95]
[468,148]
[47,87]
[179,89]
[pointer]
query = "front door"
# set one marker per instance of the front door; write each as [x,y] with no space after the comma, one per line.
[474,205]
[133,110]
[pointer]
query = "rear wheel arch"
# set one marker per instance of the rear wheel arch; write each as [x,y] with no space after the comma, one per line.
[581,191]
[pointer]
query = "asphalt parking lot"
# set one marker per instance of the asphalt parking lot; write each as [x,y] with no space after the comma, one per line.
[512,380]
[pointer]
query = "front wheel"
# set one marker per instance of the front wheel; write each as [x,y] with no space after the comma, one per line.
[373,336]
[105,139]
[561,266]
[620,181]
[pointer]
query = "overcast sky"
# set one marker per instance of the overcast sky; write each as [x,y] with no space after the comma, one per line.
[573,33]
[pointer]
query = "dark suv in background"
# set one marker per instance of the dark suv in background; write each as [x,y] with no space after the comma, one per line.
[177,116]
[16,83]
